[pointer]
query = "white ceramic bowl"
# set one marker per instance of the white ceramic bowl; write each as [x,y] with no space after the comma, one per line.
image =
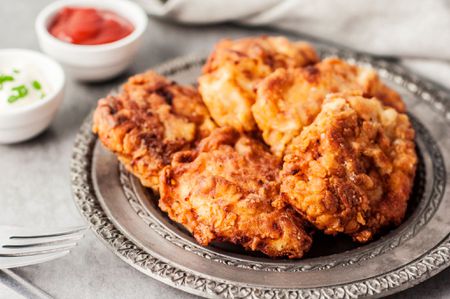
[25,122]
[93,62]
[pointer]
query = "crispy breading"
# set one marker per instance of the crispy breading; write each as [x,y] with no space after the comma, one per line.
[235,67]
[351,171]
[289,99]
[150,120]
[228,190]
[338,153]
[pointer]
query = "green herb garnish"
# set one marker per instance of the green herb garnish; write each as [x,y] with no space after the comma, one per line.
[21,91]
[16,71]
[43,95]
[36,85]
[5,78]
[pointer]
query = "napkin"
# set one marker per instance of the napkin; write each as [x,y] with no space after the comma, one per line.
[418,32]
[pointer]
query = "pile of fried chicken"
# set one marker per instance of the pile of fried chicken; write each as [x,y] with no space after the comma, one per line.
[273,145]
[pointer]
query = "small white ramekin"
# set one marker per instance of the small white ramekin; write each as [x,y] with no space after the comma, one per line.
[25,122]
[93,62]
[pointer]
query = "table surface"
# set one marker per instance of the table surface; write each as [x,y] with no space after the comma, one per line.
[35,181]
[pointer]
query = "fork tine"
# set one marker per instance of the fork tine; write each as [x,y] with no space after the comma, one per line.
[41,241]
[27,251]
[17,233]
[12,262]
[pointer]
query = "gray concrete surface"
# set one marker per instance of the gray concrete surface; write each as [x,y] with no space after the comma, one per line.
[34,178]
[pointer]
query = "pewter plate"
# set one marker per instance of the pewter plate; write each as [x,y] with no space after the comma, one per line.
[125,216]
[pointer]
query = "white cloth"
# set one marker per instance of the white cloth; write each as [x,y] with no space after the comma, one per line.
[416,31]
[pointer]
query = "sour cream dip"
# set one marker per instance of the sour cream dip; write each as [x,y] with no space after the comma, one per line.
[21,84]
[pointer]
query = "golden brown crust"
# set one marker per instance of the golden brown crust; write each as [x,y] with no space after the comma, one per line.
[289,99]
[352,169]
[235,67]
[348,161]
[228,190]
[149,121]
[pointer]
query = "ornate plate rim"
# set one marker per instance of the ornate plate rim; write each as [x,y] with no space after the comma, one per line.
[427,265]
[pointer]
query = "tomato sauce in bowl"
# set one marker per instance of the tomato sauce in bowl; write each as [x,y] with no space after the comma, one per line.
[95,40]
[89,26]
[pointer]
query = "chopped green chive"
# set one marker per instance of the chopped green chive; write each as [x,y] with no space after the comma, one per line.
[43,95]
[36,85]
[16,71]
[5,78]
[21,92]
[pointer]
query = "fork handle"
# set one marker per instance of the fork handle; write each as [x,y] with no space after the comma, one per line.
[20,285]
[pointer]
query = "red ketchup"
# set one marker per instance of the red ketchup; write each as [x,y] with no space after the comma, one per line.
[89,26]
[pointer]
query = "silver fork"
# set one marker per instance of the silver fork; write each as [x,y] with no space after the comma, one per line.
[24,246]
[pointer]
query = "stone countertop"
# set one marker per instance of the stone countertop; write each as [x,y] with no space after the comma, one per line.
[35,182]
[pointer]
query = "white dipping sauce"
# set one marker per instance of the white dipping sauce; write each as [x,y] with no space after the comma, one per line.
[21,85]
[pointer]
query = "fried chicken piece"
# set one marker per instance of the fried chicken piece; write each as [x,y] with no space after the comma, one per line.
[150,120]
[228,190]
[235,67]
[351,171]
[288,100]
